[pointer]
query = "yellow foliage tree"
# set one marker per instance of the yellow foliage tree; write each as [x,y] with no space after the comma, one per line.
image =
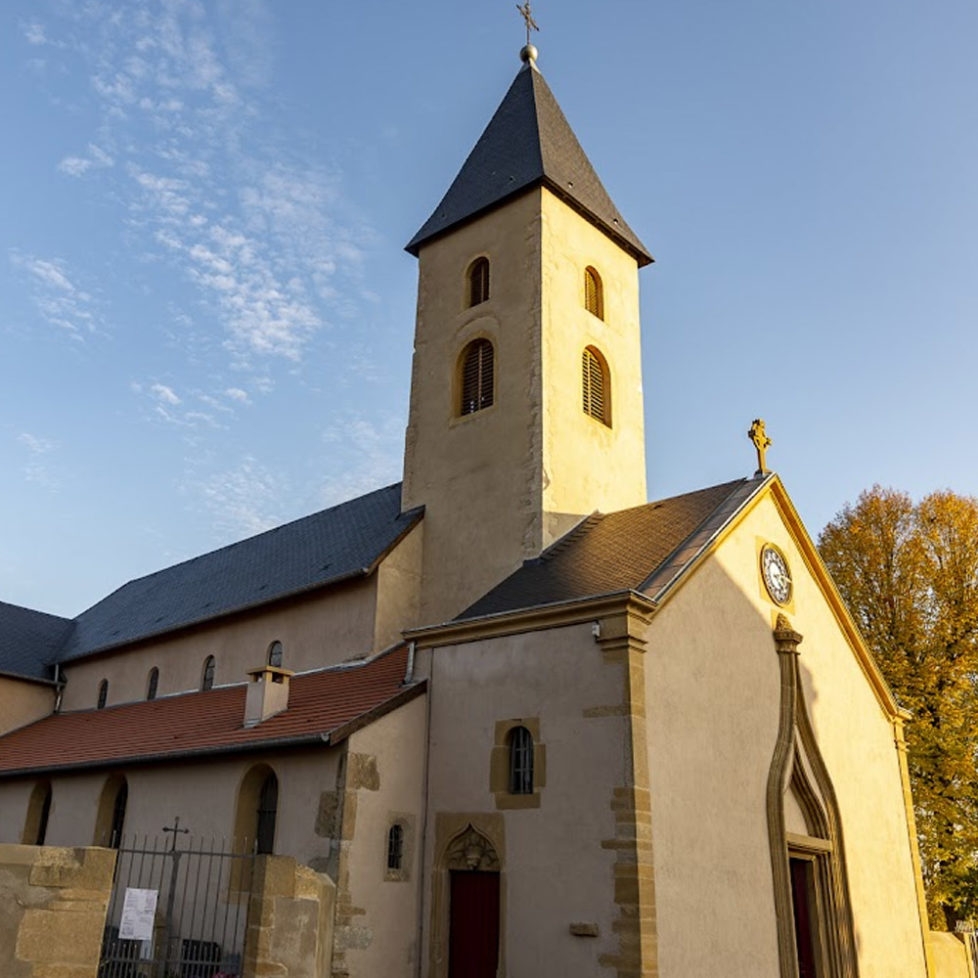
[909,573]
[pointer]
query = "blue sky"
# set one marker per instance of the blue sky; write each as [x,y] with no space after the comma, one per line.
[206,314]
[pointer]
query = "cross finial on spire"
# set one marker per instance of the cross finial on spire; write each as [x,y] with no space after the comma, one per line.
[529,53]
[762,443]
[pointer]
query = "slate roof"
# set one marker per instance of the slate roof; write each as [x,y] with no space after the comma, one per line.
[324,707]
[641,549]
[528,143]
[324,548]
[29,640]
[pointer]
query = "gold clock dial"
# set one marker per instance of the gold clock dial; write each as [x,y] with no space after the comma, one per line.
[774,571]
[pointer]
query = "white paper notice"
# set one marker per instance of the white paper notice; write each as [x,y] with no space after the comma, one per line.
[138,912]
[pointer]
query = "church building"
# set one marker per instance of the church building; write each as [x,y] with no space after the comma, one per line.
[528,722]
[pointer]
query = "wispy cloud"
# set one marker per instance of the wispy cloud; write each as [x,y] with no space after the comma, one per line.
[56,296]
[36,469]
[364,455]
[76,166]
[244,499]
[164,394]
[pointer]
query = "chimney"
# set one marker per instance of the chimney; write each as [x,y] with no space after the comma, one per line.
[268,693]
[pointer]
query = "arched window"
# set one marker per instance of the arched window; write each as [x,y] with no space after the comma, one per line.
[477,377]
[478,281]
[267,811]
[395,848]
[593,293]
[596,386]
[103,694]
[111,817]
[152,683]
[207,674]
[38,811]
[275,652]
[520,761]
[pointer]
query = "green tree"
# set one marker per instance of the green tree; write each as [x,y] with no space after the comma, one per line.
[909,574]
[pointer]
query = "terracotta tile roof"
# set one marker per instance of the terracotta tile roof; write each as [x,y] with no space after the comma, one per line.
[528,143]
[324,706]
[639,549]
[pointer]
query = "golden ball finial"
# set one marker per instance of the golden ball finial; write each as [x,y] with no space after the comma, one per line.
[528,53]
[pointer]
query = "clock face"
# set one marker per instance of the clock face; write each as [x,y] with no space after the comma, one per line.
[777,577]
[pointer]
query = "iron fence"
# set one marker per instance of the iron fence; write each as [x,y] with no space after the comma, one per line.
[177,911]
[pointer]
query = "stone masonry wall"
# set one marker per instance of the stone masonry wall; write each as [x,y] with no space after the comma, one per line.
[290,929]
[52,910]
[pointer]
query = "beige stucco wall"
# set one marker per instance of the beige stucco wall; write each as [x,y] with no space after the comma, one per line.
[713,697]
[325,628]
[555,870]
[387,779]
[533,460]
[23,702]
[203,794]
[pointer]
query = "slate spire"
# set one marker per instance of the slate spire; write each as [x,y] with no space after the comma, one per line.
[528,143]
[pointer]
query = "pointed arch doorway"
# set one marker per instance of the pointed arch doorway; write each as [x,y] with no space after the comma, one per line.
[473,914]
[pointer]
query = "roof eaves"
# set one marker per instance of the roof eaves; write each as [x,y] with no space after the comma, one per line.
[338,734]
[102,763]
[663,580]
[515,620]
[8,674]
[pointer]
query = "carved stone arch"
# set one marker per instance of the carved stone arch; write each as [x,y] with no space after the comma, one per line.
[471,850]
[797,766]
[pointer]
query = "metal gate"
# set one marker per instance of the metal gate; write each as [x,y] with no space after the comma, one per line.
[179,909]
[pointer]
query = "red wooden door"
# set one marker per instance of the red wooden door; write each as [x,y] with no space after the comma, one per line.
[474,925]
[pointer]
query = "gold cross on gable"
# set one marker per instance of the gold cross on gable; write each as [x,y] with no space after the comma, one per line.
[531,24]
[762,443]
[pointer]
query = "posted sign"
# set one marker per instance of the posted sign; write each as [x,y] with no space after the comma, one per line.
[138,913]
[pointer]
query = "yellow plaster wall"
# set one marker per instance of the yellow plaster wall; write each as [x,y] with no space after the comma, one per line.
[950,956]
[713,717]
[398,590]
[23,702]
[504,482]
[555,872]
[325,628]
[587,465]
[475,474]
[380,936]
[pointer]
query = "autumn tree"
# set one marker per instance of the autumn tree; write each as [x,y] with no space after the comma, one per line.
[909,574]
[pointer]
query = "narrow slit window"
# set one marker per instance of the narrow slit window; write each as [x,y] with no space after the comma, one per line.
[207,674]
[119,816]
[152,683]
[267,813]
[593,293]
[103,694]
[477,377]
[478,281]
[395,847]
[595,386]
[520,761]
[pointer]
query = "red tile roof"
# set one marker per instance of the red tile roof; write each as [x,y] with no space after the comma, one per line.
[324,707]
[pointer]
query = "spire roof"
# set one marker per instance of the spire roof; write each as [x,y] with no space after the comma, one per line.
[528,143]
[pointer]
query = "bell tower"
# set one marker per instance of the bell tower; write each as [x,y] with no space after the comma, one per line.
[526,409]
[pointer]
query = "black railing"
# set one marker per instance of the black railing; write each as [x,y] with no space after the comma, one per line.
[177,911]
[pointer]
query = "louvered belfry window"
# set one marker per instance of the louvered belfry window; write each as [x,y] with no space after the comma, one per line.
[395,847]
[595,386]
[478,281]
[477,376]
[593,293]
